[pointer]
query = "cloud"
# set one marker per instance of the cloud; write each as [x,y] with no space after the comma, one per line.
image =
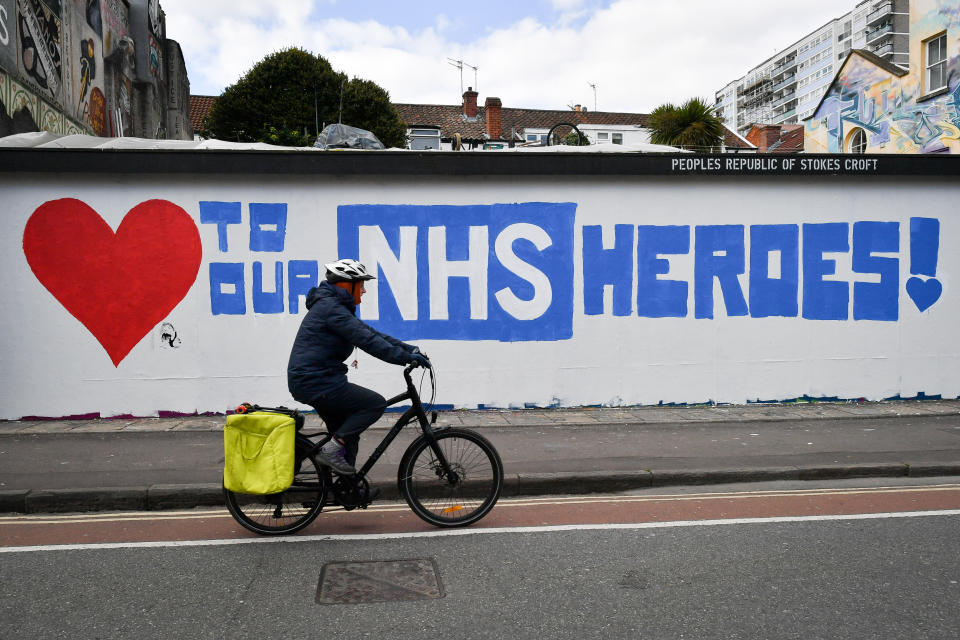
[566,5]
[638,53]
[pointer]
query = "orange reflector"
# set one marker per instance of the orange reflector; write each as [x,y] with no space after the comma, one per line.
[458,507]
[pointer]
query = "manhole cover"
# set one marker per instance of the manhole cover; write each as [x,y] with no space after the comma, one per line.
[379,581]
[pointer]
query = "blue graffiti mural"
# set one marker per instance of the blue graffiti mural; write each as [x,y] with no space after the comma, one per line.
[479,272]
[868,99]
[506,272]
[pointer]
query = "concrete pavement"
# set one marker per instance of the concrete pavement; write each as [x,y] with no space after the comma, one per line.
[164,463]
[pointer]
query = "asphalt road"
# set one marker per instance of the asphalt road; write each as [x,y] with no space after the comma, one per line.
[826,566]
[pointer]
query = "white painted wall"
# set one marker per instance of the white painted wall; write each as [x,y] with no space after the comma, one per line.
[53,366]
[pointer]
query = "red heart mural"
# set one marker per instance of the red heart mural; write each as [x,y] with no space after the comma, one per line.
[119,285]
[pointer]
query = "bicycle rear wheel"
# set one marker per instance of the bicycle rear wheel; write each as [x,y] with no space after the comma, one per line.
[285,512]
[456,502]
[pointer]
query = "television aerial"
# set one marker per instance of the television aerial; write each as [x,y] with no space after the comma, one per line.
[460,64]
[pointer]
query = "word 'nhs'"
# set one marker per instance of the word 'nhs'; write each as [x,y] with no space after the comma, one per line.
[478,272]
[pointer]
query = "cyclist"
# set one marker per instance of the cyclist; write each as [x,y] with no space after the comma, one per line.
[316,373]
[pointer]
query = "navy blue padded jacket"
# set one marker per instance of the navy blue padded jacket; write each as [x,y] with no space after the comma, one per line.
[326,338]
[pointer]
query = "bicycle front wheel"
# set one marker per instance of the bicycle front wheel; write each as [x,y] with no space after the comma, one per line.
[285,512]
[464,496]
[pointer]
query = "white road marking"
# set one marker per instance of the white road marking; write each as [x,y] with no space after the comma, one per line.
[476,531]
[387,507]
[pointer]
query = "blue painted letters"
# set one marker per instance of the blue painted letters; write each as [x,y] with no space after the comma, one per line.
[719,254]
[506,272]
[876,300]
[824,299]
[480,272]
[774,270]
[656,297]
[603,267]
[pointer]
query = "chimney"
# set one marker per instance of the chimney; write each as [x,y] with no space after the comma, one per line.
[494,125]
[763,135]
[470,103]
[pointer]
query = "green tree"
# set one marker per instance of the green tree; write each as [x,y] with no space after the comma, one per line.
[287,95]
[694,126]
[573,139]
[367,105]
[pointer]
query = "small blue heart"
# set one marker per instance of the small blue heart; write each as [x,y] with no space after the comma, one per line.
[924,292]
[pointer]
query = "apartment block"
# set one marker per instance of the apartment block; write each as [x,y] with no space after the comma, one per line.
[786,88]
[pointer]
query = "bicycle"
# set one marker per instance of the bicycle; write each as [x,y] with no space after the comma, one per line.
[450,477]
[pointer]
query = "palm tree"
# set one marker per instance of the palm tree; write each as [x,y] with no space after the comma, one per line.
[693,126]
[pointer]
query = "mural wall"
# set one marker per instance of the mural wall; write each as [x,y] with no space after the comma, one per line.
[897,113]
[69,66]
[156,295]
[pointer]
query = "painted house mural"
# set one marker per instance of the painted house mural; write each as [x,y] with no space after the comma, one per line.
[874,106]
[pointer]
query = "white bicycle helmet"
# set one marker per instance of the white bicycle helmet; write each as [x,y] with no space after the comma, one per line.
[347,270]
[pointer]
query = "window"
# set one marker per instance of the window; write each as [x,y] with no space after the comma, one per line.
[858,142]
[423,139]
[936,63]
[617,138]
[603,135]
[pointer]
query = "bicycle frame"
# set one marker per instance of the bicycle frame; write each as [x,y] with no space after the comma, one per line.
[415,411]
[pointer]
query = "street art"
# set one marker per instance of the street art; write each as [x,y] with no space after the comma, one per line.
[4,26]
[155,58]
[130,299]
[168,336]
[891,107]
[84,72]
[8,28]
[481,272]
[40,59]
[118,285]
[94,20]
[116,24]
[88,66]
[888,115]
[484,272]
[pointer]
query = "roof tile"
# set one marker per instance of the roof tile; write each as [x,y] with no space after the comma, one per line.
[199,109]
[451,119]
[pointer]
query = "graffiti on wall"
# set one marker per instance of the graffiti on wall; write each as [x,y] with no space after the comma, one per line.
[481,272]
[121,284]
[83,40]
[874,100]
[22,111]
[8,34]
[914,109]
[116,24]
[39,33]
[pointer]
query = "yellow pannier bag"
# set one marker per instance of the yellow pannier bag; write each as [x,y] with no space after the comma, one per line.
[258,452]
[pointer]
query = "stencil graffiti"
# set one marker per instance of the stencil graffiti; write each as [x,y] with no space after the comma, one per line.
[168,336]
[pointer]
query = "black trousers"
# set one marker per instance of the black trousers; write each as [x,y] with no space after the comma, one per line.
[347,412]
